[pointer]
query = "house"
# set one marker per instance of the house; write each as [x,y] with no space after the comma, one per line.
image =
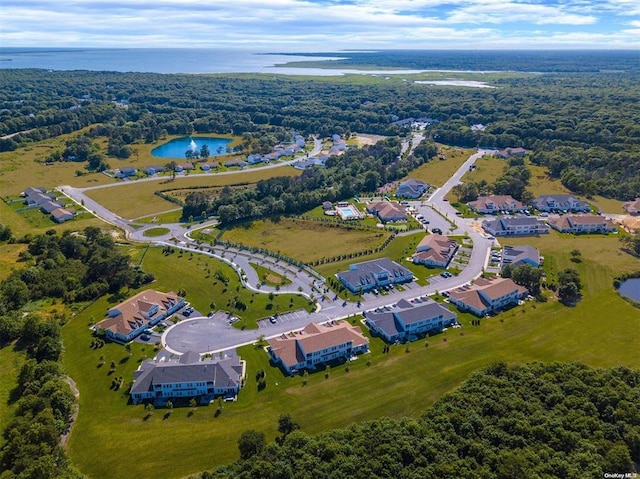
[515,226]
[327,205]
[209,166]
[165,378]
[487,295]
[412,189]
[632,207]
[153,169]
[560,203]
[255,158]
[435,250]
[309,162]
[387,211]
[582,224]
[494,204]
[32,191]
[48,206]
[407,321]
[236,162]
[316,345]
[377,273]
[37,196]
[507,152]
[521,255]
[184,167]
[147,308]
[126,172]
[60,215]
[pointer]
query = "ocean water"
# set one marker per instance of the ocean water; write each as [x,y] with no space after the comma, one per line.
[149,60]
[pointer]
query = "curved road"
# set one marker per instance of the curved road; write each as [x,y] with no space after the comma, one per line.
[303,282]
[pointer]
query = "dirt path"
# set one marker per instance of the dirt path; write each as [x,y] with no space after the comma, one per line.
[64,439]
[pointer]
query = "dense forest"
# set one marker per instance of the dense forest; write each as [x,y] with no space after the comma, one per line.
[583,126]
[358,170]
[530,421]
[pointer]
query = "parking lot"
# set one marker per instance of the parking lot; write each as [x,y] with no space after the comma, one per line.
[284,318]
[428,214]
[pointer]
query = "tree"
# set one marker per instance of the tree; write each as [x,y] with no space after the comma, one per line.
[569,286]
[171,167]
[251,443]
[286,425]
[204,152]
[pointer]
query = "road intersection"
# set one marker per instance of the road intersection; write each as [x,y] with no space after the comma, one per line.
[223,336]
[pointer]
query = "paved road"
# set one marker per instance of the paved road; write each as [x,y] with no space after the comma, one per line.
[302,281]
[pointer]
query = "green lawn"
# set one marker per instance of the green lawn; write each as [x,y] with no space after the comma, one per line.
[270,277]
[304,240]
[600,331]
[9,257]
[436,172]
[166,217]
[196,274]
[153,232]
[10,363]
[136,199]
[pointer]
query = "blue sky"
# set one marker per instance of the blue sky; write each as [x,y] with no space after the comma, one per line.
[322,25]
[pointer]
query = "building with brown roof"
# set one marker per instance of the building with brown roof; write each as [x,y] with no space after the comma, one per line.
[60,215]
[435,250]
[487,295]
[387,211]
[316,345]
[582,224]
[632,207]
[494,204]
[131,317]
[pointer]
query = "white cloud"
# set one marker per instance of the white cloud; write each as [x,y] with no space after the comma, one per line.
[310,25]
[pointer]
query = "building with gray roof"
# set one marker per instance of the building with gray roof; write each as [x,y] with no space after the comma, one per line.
[368,275]
[165,377]
[407,321]
[521,255]
[515,226]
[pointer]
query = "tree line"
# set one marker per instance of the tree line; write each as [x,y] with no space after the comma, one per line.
[583,127]
[534,420]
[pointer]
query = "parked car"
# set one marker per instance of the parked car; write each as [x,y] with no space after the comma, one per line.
[145,337]
[272,320]
[437,231]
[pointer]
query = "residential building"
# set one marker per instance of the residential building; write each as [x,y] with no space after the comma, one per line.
[494,204]
[316,345]
[327,205]
[60,215]
[560,203]
[407,321]
[377,273]
[412,189]
[521,255]
[632,207]
[487,295]
[126,172]
[49,205]
[435,250]
[153,169]
[184,167]
[515,226]
[255,158]
[37,196]
[309,162]
[212,165]
[29,191]
[582,224]
[165,378]
[388,212]
[235,162]
[507,152]
[131,317]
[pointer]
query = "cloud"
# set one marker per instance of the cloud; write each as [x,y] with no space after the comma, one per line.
[314,24]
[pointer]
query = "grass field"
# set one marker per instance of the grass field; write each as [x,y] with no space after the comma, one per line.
[602,330]
[170,216]
[197,275]
[270,277]
[134,200]
[437,172]
[153,232]
[304,240]
[9,257]
[10,363]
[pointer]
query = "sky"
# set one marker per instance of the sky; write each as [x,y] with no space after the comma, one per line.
[322,25]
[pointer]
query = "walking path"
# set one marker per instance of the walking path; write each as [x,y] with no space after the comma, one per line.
[303,281]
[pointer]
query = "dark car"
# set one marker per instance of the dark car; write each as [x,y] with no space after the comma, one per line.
[436,231]
[145,337]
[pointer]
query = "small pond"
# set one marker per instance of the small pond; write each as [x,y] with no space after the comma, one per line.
[178,147]
[631,289]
